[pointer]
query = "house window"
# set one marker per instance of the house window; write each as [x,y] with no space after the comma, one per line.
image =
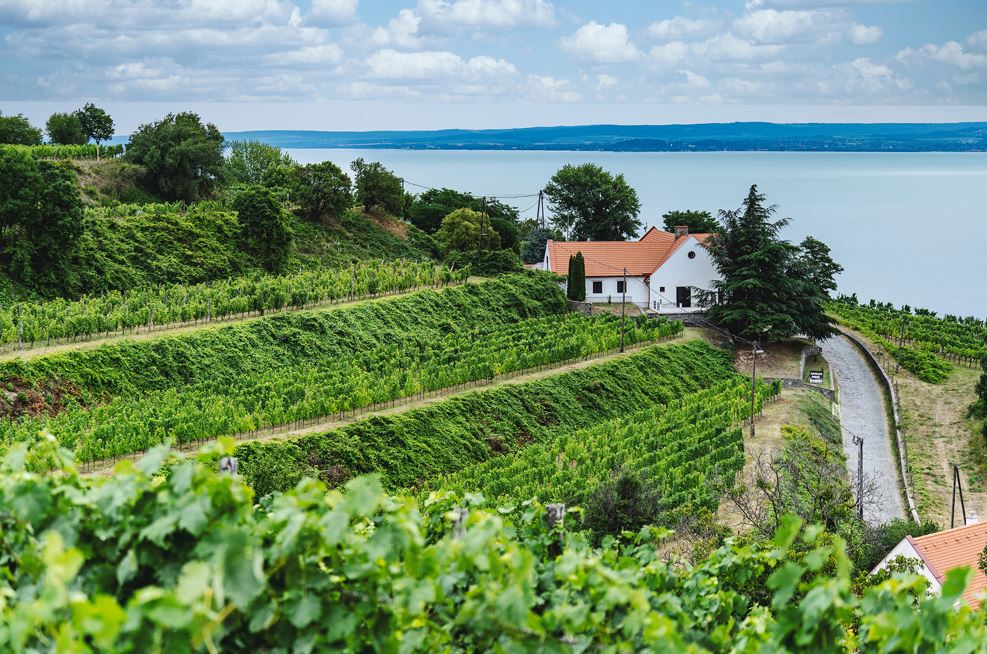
[692,255]
[661,289]
[620,286]
[597,287]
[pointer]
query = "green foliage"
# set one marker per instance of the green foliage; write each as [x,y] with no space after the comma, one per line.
[321,190]
[253,162]
[86,151]
[768,286]
[535,241]
[698,222]
[412,448]
[181,157]
[40,218]
[96,123]
[485,262]
[688,450]
[624,502]
[377,188]
[264,226]
[464,230]
[881,539]
[576,278]
[38,323]
[980,406]
[17,130]
[915,339]
[296,366]
[590,204]
[66,129]
[429,208]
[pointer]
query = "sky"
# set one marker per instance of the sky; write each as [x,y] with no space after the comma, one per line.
[429,64]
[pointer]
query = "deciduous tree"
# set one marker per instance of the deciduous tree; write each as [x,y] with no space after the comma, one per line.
[264,227]
[65,129]
[321,190]
[698,222]
[590,204]
[181,156]
[465,229]
[534,243]
[16,130]
[377,188]
[96,124]
[251,162]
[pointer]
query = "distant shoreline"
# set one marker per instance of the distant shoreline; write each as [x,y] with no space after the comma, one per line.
[712,137]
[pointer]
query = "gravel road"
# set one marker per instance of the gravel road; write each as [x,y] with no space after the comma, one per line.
[863,412]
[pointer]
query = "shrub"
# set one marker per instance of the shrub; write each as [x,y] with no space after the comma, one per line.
[485,262]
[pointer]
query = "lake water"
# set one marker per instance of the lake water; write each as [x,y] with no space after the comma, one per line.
[907,228]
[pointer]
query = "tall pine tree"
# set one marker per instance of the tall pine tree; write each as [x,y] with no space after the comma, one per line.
[768,287]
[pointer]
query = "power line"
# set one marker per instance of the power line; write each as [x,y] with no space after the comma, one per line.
[492,197]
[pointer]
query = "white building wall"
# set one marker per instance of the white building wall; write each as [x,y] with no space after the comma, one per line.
[680,270]
[904,548]
[637,290]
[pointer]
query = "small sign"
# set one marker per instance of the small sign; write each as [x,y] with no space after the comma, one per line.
[816,376]
[227,465]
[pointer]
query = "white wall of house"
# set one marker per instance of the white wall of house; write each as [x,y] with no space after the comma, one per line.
[637,291]
[680,270]
[906,549]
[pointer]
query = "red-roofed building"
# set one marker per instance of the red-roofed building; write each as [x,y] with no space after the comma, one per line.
[663,269]
[943,551]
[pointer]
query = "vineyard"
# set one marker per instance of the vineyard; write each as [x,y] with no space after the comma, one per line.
[146,562]
[290,368]
[410,449]
[692,448]
[86,151]
[920,341]
[26,324]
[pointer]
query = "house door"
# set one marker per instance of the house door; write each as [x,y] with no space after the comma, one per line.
[683,296]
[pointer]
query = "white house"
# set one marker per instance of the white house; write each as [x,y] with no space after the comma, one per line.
[942,551]
[662,268]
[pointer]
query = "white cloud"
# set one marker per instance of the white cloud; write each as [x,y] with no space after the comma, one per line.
[488,13]
[401,31]
[815,4]
[668,54]
[680,27]
[544,88]
[978,39]
[864,35]
[727,47]
[605,44]
[430,65]
[950,53]
[332,12]
[773,26]
[329,53]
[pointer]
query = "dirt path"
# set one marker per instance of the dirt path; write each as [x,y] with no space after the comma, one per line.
[407,404]
[180,328]
[862,406]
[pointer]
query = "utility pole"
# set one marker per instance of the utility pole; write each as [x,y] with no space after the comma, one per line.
[957,483]
[859,442]
[623,308]
[541,209]
[753,383]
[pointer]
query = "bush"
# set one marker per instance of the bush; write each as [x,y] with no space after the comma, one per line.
[264,226]
[623,503]
[485,262]
[881,539]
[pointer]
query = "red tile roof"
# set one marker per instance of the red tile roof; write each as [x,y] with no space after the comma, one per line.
[608,258]
[945,550]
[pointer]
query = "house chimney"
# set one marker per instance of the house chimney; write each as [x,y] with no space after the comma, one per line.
[681,230]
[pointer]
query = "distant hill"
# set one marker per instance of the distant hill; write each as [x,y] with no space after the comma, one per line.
[810,137]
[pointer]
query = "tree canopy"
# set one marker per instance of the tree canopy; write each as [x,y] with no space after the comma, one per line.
[264,227]
[40,217]
[96,123]
[534,242]
[431,206]
[321,189]
[768,286]
[590,204]
[17,130]
[378,188]
[465,229]
[65,129]
[182,157]
[698,222]
[251,162]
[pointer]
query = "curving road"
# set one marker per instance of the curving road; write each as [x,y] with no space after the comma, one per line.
[862,406]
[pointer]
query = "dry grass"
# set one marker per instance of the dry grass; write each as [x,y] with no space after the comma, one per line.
[389,224]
